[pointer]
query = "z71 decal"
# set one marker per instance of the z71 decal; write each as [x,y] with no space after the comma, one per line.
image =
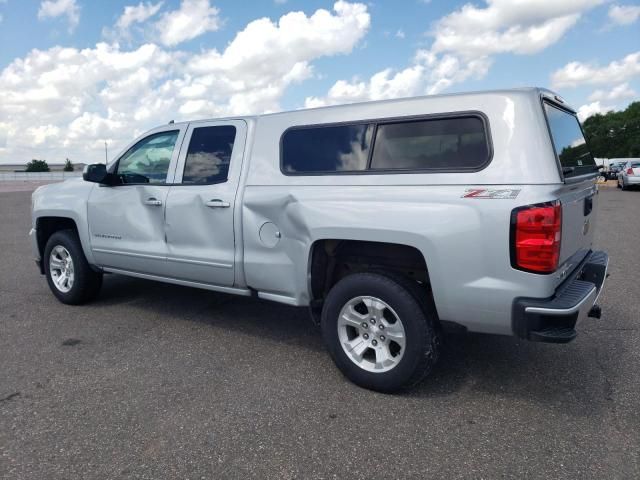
[504,193]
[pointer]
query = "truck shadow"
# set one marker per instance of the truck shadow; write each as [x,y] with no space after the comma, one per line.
[571,379]
[251,316]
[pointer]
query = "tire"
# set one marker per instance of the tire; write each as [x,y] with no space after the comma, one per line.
[388,366]
[83,284]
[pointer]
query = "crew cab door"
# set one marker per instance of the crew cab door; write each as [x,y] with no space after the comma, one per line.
[202,201]
[126,220]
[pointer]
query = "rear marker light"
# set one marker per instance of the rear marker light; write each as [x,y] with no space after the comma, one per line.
[536,231]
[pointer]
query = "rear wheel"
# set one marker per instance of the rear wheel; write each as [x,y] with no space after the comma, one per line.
[69,275]
[378,332]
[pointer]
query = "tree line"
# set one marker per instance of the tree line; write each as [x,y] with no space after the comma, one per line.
[36,165]
[614,134]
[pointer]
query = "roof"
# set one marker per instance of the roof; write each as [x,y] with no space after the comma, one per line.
[506,91]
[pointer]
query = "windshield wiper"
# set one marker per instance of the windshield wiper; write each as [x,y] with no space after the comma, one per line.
[567,170]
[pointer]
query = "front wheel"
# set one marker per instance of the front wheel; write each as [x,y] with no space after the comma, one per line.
[378,332]
[69,275]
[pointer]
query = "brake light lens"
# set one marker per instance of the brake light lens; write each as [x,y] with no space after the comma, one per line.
[536,231]
[630,171]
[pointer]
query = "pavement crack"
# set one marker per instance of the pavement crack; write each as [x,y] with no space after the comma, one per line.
[10,397]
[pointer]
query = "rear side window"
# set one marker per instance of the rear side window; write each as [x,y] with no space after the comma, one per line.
[209,155]
[442,144]
[340,148]
[434,144]
[568,140]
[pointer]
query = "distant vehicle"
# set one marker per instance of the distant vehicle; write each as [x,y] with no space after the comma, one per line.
[629,175]
[614,169]
[386,219]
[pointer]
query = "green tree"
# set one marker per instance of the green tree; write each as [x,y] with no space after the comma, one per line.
[68,166]
[36,165]
[614,134]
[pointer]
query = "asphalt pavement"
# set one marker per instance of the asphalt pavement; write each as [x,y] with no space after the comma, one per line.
[159,381]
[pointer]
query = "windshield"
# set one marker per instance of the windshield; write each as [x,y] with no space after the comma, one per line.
[571,147]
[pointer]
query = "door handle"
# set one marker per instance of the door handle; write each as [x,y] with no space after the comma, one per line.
[153,201]
[217,203]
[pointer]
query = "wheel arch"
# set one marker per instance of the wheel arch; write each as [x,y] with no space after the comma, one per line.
[47,225]
[331,259]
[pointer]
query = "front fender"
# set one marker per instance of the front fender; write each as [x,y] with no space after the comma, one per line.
[65,200]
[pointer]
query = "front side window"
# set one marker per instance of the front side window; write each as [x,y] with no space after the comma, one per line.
[434,144]
[209,155]
[148,160]
[568,140]
[325,149]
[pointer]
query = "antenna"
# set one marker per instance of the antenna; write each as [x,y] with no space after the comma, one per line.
[106,155]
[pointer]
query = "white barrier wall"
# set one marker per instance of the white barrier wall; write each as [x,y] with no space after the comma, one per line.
[37,176]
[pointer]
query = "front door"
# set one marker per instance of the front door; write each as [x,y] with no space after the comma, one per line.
[202,201]
[126,221]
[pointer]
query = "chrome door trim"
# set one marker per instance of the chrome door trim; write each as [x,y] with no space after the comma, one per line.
[129,254]
[200,262]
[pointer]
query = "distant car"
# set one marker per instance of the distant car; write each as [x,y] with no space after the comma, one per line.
[614,169]
[629,175]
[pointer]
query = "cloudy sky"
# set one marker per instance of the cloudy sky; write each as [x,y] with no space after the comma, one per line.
[77,73]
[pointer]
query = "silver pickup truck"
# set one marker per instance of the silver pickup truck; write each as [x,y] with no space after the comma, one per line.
[387,219]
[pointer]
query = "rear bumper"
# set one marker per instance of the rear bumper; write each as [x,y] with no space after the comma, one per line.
[554,319]
[631,180]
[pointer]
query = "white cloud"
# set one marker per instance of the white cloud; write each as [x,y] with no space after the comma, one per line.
[624,14]
[585,111]
[64,102]
[192,19]
[400,34]
[577,73]
[616,93]
[464,43]
[430,74]
[522,27]
[137,14]
[57,8]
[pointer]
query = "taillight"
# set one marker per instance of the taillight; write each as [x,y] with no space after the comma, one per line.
[629,171]
[536,231]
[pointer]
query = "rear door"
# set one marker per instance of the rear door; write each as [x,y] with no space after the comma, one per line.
[202,201]
[578,196]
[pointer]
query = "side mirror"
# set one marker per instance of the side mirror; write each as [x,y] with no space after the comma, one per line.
[96,173]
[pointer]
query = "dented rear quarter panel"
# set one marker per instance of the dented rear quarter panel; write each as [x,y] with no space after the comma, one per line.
[465,241]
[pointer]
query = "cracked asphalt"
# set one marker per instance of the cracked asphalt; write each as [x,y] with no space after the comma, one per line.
[159,381]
